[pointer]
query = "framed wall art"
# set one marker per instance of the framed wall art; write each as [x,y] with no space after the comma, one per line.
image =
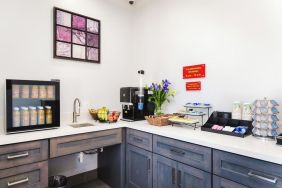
[76,37]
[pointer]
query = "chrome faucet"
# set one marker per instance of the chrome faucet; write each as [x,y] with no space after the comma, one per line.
[75,113]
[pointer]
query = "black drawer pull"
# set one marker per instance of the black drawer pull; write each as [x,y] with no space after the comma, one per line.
[178,152]
[149,164]
[10,184]
[9,157]
[269,180]
[179,179]
[138,139]
[173,176]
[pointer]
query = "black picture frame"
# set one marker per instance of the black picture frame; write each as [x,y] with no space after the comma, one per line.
[86,46]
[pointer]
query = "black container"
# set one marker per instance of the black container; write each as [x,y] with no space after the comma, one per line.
[23,94]
[224,119]
[279,139]
[58,182]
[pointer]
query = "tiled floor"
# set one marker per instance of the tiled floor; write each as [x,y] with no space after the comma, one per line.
[93,184]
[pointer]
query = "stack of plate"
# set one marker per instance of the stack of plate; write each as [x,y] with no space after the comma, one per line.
[265,118]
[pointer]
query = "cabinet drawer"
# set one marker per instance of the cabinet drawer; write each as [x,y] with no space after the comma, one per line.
[191,154]
[72,144]
[140,139]
[250,172]
[219,182]
[27,176]
[24,153]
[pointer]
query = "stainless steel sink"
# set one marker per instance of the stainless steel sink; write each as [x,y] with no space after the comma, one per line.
[79,125]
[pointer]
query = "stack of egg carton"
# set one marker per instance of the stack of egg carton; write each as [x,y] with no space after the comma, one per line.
[265,118]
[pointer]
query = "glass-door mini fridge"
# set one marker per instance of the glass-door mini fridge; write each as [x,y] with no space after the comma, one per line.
[32,105]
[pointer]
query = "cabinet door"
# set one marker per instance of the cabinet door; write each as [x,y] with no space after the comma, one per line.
[164,172]
[138,167]
[189,177]
[219,182]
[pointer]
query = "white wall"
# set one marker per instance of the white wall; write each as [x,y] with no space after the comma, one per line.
[240,41]
[26,41]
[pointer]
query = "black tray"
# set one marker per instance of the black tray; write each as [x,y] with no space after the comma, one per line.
[224,119]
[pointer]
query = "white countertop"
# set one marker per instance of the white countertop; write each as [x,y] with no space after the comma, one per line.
[249,146]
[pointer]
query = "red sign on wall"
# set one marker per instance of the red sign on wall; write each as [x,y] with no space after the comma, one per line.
[195,71]
[193,86]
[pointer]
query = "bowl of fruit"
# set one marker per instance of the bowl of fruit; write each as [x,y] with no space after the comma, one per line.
[104,115]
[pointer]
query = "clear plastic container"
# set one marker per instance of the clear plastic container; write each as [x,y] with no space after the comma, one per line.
[25,91]
[24,116]
[40,115]
[16,91]
[16,117]
[50,92]
[34,92]
[33,115]
[42,92]
[48,114]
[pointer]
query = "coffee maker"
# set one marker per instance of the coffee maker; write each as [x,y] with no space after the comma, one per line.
[135,104]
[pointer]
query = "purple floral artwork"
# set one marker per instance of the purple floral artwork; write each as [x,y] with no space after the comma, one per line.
[78,37]
[63,18]
[93,54]
[92,40]
[63,34]
[78,51]
[92,26]
[63,49]
[78,22]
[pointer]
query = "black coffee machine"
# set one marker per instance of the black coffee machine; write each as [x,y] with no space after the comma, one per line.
[135,104]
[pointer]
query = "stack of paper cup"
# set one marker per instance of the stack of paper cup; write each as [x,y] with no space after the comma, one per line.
[237,110]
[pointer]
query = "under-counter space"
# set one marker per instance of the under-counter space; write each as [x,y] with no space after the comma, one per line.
[249,146]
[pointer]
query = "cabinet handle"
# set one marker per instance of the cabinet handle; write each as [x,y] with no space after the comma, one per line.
[179,179]
[177,152]
[10,184]
[173,176]
[149,164]
[18,156]
[138,139]
[270,180]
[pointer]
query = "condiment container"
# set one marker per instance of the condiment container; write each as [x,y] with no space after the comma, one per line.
[42,92]
[40,115]
[24,116]
[25,91]
[16,91]
[34,92]
[16,117]
[48,114]
[33,115]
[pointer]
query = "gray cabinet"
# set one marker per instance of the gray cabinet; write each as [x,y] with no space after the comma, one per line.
[139,139]
[138,167]
[164,172]
[189,177]
[82,142]
[248,171]
[190,154]
[27,176]
[219,182]
[168,173]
